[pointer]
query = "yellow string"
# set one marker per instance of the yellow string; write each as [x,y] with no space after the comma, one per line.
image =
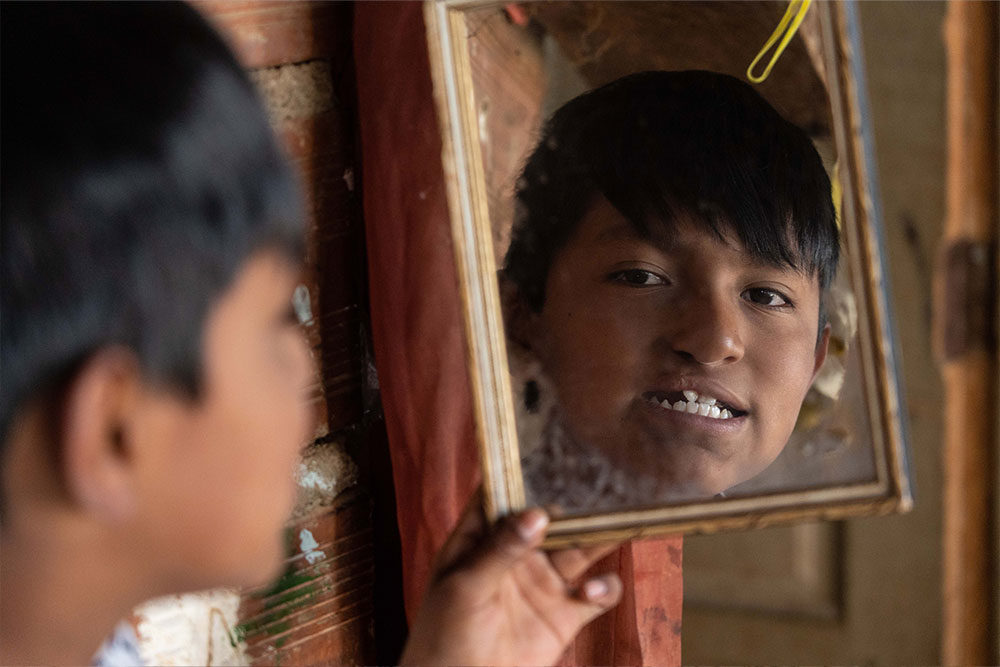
[799,6]
[836,193]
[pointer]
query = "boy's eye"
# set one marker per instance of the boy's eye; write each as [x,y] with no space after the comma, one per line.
[766,297]
[638,278]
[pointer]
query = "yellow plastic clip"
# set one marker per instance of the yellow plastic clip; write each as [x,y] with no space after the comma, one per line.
[798,8]
[837,192]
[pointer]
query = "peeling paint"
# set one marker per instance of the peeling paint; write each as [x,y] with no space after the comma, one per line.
[308,544]
[310,479]
[302,304]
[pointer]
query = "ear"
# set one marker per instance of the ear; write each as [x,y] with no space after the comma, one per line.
[97,435]
[822,346]
[520,321]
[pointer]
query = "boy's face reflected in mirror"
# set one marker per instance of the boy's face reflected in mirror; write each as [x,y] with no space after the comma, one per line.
[630,326]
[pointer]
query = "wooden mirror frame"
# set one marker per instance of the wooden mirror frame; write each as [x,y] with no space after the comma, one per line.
[493,404]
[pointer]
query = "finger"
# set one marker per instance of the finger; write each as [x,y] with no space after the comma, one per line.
[464,537]
[515,538]
[571,563]
[554,510]
[596,596]
[605,589]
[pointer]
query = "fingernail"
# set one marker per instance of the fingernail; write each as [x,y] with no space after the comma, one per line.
[531,523]
[595,588]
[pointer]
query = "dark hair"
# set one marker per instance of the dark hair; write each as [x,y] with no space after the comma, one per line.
[139,174]
[657,144]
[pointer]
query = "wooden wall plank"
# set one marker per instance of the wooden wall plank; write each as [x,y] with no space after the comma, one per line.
[966,334]
[266,34]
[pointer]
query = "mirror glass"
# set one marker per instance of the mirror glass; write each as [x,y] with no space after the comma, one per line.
[660,352]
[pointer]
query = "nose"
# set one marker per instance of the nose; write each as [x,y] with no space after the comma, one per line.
[707,330]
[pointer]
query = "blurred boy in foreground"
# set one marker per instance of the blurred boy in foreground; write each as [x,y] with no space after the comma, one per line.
[152,367]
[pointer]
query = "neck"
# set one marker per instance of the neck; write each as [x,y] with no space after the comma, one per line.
[63,593]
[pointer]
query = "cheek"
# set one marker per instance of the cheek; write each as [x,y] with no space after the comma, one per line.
[255,432]
[215,504]
[251,495]
[785,380]
[596,359]
[287,375]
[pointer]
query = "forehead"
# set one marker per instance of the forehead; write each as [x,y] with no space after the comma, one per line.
[603,226]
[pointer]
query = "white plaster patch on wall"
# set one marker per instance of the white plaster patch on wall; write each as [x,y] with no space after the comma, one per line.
[311,479]
[296,90]
[302,304]
[349,179]
[325,471]
[308,544]
[191,629]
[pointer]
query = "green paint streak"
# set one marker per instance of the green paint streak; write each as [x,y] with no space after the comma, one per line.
[281,596]
[289,579]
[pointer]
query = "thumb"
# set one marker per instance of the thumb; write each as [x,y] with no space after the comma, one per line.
[598,595]
[515,538]
[593,598]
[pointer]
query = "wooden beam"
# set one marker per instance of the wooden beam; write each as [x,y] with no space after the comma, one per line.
[966,335]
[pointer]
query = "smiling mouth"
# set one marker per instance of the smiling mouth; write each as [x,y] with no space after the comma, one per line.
[695,404]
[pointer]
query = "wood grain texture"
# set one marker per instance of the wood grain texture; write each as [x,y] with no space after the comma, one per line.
[970,370]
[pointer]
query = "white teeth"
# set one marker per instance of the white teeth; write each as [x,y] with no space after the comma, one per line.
[703,407]
[691,396]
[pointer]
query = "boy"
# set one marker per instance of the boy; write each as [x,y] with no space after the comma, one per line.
[673,241]
[152,368]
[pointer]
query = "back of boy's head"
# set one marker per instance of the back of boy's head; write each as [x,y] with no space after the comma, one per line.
[662,145]
[139,175]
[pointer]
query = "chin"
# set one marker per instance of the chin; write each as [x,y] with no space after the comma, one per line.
[701,486]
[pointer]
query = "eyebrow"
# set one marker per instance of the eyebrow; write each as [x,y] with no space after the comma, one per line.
[626,231]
